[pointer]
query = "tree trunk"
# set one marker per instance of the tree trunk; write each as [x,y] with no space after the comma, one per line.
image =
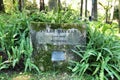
[52,5]
[59,5]
[85,8]
[119,16]
[2,9]
[21,5]
[42,5]
[106,14]
[94,10]
[112,10]
[13,1]
[81,8]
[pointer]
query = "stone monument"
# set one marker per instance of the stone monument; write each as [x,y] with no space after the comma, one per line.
[54,43]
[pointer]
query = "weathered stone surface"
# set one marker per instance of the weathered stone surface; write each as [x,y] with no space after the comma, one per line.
[47,38]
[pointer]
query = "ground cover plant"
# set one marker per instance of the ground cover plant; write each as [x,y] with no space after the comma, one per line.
[101,57]
[15,47]
[56,17]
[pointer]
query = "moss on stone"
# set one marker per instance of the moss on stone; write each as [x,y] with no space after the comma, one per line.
[38,26]
[42,25]
[43,60]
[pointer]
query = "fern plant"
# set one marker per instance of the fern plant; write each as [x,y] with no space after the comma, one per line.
[14,41]
[101,57]
[58,17]
[29,64]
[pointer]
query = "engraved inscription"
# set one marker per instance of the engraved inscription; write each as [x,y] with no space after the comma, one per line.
[59,36]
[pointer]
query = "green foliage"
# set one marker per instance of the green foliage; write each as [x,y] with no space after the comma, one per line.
[101,56]
[2,64]
[29,65]
[55,17]
[30,6]
[14,41]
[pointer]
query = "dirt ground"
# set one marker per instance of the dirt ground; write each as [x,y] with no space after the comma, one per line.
[34,76]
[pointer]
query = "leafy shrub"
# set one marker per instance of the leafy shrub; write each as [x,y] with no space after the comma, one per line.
[55,17]
[102,55]
[14,42]
[31,6]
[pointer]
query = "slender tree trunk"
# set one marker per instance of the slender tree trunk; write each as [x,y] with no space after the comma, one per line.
[42,5]
[85,8]
[106,14]
[81,8]
[94,10]
[21,5]
[112,10]
[2,9]
[13,1]
[59,5]
[119,15]
[52,5]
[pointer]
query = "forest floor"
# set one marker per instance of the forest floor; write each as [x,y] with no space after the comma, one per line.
[32,76]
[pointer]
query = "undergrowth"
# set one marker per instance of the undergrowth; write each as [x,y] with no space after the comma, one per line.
[101,57]
[15,47]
